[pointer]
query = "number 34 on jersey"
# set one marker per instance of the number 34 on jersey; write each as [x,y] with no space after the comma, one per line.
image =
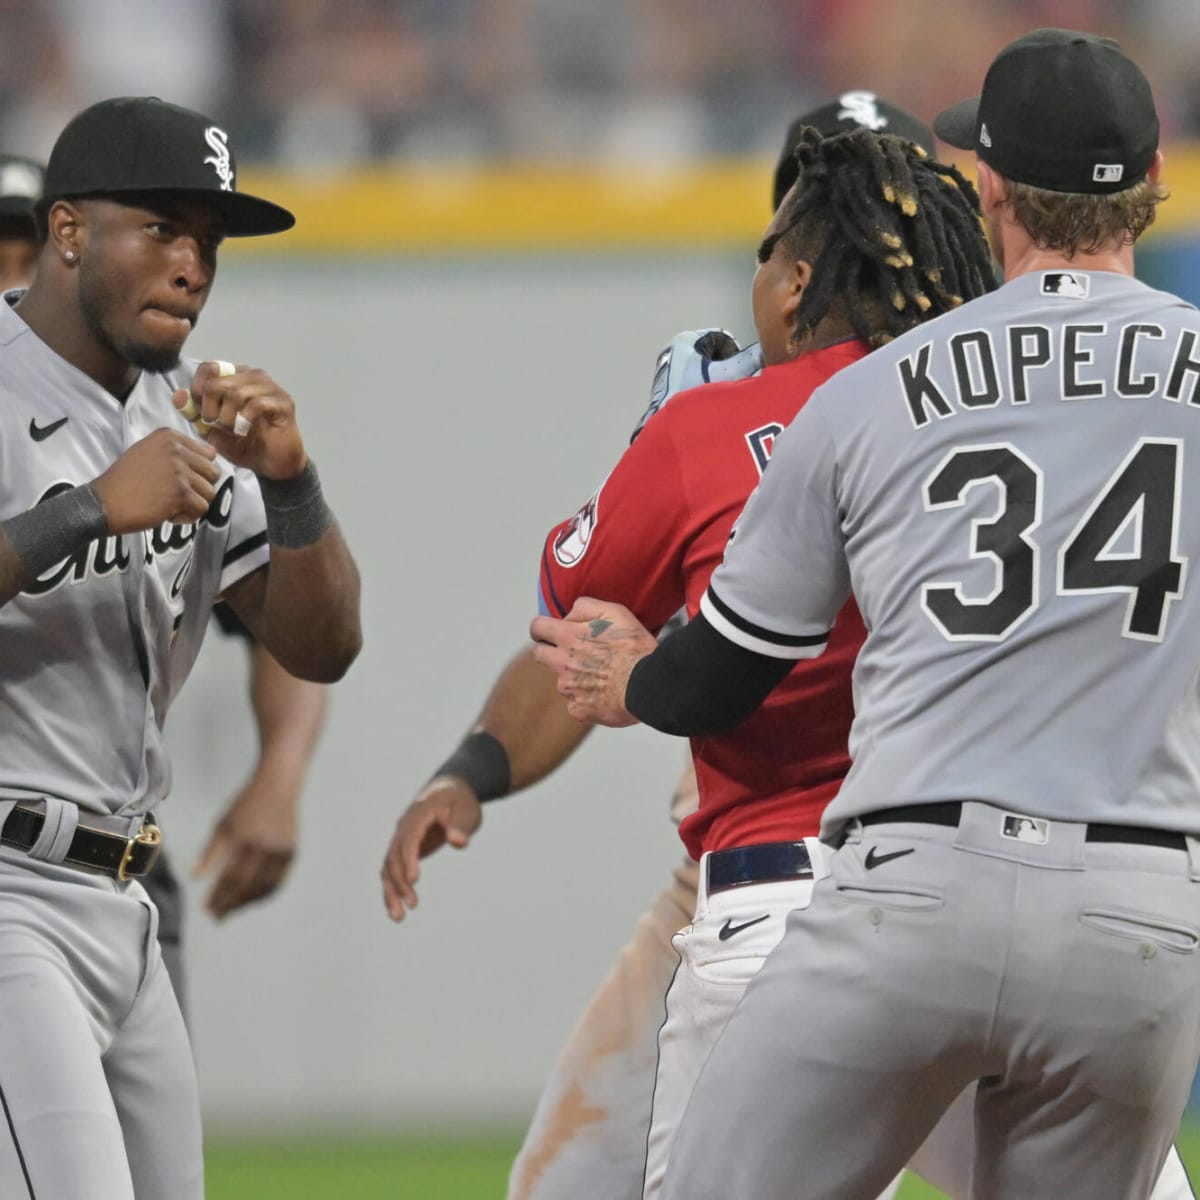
[1125,540]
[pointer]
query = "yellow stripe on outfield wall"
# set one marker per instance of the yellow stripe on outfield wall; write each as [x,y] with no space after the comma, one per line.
[719,205]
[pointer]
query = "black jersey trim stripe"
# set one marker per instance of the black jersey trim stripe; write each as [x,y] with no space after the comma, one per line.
[243,548]
[731,633]
[765,635]
[16,1141]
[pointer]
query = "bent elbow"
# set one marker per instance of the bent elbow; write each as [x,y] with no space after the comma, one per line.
[326,663]
[335,665]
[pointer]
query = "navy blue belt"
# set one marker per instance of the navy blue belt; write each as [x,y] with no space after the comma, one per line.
[949,812]
[769,862]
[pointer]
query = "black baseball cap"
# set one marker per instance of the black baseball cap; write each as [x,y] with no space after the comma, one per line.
[20,187]
[1060,110]
[137,144]
[851,110]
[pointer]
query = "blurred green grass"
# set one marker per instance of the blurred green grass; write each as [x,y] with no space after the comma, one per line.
[320,1168]
[413,1168]
[1189,1149]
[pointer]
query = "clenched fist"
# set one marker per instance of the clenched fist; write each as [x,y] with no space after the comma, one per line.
[272,447]
[168,476]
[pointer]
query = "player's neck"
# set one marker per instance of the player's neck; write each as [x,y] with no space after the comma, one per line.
[64,330]
[1019,256]
[829,332]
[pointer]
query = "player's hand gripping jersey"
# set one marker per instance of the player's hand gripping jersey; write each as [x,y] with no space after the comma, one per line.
[651,537]
[95,651]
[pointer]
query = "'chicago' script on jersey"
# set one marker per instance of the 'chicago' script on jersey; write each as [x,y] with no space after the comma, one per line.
[105,555]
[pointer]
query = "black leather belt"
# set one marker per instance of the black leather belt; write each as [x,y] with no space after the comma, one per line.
[949,813]
[123,857]
[769,862]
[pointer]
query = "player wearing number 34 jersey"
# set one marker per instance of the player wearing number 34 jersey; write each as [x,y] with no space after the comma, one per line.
[1014,888]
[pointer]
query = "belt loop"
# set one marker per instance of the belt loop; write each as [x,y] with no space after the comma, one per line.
[702,890]
[58,828]
[1193,853]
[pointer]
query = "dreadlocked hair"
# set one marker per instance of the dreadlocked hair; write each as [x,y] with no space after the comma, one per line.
[893,236]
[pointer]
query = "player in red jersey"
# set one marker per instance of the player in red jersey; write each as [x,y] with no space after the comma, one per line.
[873,239]
[651,537]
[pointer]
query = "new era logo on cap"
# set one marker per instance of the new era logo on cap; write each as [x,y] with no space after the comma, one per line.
[985,138]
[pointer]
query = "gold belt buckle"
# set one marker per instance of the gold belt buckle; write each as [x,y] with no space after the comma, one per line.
[148,835]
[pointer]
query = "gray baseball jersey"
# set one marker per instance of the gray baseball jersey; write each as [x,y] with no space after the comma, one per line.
[95,1052]
[96,650]
[1011,492]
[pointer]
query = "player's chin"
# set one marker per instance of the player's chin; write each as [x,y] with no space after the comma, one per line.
[157,354]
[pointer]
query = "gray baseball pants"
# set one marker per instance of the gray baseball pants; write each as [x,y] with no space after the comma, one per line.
[1063,976]
[98,1093]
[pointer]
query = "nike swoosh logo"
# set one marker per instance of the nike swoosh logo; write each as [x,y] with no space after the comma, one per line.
[729,930]
[40,433]
[874,860]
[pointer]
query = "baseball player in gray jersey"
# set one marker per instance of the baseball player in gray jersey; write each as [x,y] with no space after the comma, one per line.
[254,840]
[1010,493]
[120,523]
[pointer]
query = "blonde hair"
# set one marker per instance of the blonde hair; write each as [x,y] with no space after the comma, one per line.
[1084,223]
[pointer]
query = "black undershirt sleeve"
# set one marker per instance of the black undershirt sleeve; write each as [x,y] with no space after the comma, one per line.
[697,682]
[229,621]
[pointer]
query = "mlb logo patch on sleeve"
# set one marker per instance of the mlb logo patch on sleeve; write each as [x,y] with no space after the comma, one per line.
[1065,283]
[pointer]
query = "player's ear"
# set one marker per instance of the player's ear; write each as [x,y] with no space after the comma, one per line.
[64,225]
[801,277]
[1155,167]
[992,187]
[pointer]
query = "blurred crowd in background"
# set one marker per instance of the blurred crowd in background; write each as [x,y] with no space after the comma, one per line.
[320,84]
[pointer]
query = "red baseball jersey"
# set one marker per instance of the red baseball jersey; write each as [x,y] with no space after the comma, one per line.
[651,537]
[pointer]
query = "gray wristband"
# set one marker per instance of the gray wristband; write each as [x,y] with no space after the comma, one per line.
[482,762]
[297,514]
[55,529]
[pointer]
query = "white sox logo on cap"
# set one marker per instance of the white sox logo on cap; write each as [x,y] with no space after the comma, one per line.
[218,141]
[863,108]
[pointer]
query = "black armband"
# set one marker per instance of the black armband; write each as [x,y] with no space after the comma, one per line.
[698,683]
[297,514]
[55,529]
[482,762]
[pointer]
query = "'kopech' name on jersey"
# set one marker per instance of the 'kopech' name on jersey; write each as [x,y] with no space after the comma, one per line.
[988,367]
